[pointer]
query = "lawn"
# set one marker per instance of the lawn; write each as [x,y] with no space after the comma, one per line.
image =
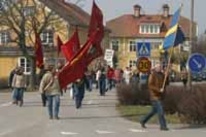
[134,113]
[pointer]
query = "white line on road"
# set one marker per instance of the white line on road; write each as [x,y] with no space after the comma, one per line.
[68,133]
[137,130]
[6,104]
[89,102]
[5,132]
[104,132]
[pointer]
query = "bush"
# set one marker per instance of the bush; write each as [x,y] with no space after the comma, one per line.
[172,97]
[193,105]
[133,94]
[188,104]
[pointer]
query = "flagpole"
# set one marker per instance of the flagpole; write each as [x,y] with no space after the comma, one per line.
[167,69]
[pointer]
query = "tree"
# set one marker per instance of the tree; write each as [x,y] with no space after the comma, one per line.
[200,46]
[23,18]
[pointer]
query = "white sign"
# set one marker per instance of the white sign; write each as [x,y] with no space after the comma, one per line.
[109,53]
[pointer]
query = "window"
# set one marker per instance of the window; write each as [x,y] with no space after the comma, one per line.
[25,63]
[149,29]
[28,11]
[47,37]
[132,46]
[115,45]
[4,37]
[155,45]
[132,63]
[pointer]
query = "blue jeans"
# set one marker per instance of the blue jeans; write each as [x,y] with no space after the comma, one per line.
[79,92]
[156,108]
[18,94]
[110,84]
[102,86]
[89,83]
[56,100]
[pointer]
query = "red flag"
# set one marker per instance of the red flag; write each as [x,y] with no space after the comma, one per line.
[96,24]
[38,52]
[76,67]
[59,44]
[72,46]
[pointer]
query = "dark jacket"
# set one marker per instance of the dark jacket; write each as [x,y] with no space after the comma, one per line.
[155,83]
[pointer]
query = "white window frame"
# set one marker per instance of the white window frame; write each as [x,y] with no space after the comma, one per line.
[155,45]
[115,43]
[132,46]
[47,37]
[4,37]
[23,62]
[149,29]
[132,63]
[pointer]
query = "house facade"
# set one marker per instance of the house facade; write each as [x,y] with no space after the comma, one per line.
[66,17]
[130,29]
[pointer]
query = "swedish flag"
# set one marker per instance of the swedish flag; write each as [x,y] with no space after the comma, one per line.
[174,35]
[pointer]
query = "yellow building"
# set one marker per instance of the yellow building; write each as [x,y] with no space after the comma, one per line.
[64,19]
[129,29]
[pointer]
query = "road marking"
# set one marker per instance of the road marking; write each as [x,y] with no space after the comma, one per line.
[89,102]
[5,132]
[68,133]
[104,132]
[6,104]
[137,130]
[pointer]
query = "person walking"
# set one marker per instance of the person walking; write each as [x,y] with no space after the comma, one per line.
[102,82]
[11,76]
[155,84]
[110,75]
[19,85]
[50,86]
[79,91]
[40,76]
[184,76]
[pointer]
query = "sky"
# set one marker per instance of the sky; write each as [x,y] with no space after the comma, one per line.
[115,8]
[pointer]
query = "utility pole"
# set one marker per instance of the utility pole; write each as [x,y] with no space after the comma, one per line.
[191,37]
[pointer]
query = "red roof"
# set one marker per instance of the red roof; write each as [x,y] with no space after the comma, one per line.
[128,25]
[68,11]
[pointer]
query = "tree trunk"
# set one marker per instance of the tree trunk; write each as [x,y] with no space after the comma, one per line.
[32,80]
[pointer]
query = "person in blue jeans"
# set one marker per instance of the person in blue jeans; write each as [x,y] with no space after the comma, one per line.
[50,86]
[102,82]
[19,86]
[79,91]
[155,83]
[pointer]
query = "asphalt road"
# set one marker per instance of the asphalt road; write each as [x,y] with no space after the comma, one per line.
[96,118]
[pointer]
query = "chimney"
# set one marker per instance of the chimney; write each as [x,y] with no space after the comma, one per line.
[137,10]
[165,8]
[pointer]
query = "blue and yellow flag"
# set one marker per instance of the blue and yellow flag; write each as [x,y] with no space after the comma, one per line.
[174,35]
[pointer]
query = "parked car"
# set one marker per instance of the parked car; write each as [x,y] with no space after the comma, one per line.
[197,76]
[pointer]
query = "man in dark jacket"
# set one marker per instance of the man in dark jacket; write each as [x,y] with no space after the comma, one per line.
[155,83]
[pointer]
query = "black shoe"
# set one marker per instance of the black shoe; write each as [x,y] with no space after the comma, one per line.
[164,129]
[142,124]
[21,103]
[56,117]
[50,117]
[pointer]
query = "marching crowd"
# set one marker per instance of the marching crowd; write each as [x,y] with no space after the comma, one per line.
[103,79]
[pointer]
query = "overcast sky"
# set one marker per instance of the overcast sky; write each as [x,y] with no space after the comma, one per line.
[114,8]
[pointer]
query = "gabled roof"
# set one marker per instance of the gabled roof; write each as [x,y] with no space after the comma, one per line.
[69,12]
[128,25]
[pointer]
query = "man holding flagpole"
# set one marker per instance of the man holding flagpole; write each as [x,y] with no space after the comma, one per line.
[155,84]
[157,79]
